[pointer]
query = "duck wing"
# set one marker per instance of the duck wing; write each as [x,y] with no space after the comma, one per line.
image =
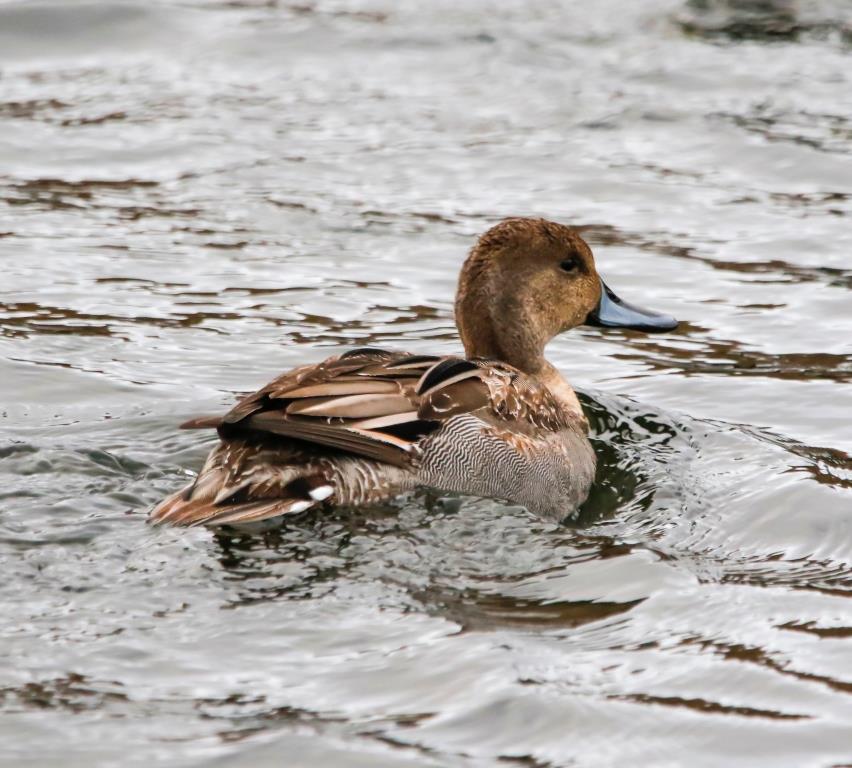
[363,402]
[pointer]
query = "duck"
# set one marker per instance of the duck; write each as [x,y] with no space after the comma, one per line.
[365,426]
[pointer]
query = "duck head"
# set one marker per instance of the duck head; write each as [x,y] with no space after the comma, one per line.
[528,280]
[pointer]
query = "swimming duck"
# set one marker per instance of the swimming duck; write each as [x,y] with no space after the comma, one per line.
[369,424]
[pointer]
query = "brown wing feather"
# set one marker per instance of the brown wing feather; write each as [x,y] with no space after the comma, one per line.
[364,406]
[469,395]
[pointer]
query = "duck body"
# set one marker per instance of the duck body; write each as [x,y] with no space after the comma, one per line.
[364,426]
[371,424]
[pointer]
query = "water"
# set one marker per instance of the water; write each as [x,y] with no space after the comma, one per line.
[195,196]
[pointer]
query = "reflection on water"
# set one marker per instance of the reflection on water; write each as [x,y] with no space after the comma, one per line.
[198,195]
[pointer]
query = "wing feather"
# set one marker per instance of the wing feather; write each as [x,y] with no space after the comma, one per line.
[351,406]
[345,386]
[370,444]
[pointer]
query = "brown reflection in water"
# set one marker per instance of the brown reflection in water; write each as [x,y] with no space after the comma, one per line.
[48,194]
[810,628]
[71,692]
[477,611]
[806,574]
[425,217]
[704,706]
[250,715]
[28,318]
[801,203]
[141,282]
[177,290]
[30,109]
[105,118]
[826,474]
[291,204]
[828,466]
[729,358]
[760,657]
[806,200]
[84,189]
[205,229]
[785,271]
[25,319]
[53,111]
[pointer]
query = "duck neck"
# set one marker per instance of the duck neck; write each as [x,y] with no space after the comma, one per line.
[514,345]
[519,347]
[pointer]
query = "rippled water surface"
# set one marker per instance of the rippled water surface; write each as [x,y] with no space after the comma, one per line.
[197,195]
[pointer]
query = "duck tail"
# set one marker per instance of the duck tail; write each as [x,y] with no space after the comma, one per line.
[179,511]
[238,484]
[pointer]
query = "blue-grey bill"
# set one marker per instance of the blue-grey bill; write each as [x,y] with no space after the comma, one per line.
[614,312]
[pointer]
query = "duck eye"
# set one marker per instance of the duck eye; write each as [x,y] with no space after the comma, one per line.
[568,265]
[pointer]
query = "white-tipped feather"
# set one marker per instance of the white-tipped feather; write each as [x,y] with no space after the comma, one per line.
[321,493]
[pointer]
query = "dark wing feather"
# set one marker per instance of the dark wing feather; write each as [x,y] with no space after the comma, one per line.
[441,373]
